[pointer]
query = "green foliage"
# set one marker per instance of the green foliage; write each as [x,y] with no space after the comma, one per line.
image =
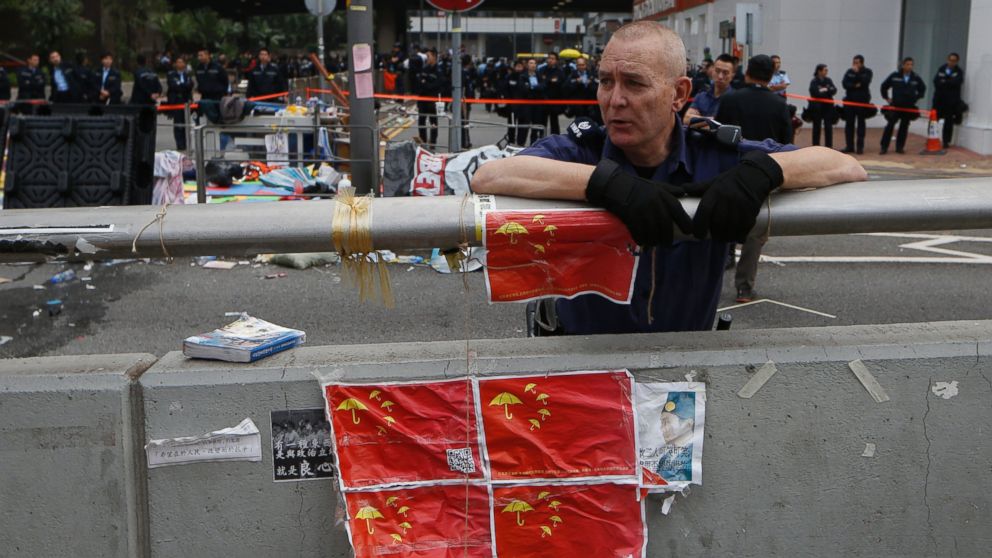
[51,24]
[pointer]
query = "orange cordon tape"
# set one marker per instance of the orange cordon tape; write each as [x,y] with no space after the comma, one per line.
[196,105]
[856,104]
[473,101]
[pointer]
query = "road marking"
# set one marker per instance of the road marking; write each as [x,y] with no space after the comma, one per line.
[925,243]
[786,305]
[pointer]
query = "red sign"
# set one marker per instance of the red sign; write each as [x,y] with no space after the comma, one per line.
[535,254]
[426,522]
[404,433]
[561,426]
[455,5]
[603,520]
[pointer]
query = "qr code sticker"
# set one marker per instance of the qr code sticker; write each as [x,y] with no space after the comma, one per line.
[460,460]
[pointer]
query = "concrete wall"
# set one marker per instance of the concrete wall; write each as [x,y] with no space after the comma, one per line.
[976,133]
[783,472]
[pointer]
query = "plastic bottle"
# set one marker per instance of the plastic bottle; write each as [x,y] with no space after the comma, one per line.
[63,277]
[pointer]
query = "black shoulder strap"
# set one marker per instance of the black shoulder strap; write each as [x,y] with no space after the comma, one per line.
[587,133]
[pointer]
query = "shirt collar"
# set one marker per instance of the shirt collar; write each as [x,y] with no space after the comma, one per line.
[679,155]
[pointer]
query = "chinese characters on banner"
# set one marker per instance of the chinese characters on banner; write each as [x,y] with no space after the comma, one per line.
[517,466]
[566,253]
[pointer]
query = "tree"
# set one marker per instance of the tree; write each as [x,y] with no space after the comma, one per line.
[52,24]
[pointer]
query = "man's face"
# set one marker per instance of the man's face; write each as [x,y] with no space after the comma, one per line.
[107,61]
[776,63]
[635,96]
[54,59]
[264,57]
[581,65]
[723,73]
[203,57]
[531,65]
[857,64]
[33,61]
[907,66]
[180,65]
[552,60]
[952,61]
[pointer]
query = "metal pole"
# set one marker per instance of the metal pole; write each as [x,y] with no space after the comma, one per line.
[320,46]
[455,131]
[364,141]
[231,229]
[188,129]
[422,41]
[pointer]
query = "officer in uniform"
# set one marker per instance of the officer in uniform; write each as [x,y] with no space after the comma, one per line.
[638,167]
[110,92]
[88,80]
[430,83]
[856,83]
[180,92]
[147,87]
[947,94]
[583,85]
[530,86]
[907,88]
[554,80]
[211,77]
[65,84]
[4,85]
[30,80]
[266,78]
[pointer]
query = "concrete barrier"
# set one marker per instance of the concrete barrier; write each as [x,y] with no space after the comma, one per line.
[783,471]
[70,456]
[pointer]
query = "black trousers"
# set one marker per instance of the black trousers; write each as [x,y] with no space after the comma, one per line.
[179,130]
[553,111]
[828,132]
[903,119]
[948,131]
[856,121]
[427,118]
[528,115]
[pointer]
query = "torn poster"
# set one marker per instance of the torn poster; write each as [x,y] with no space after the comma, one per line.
[670,418]
[403,433]
[577,426]
[536,521]
[239,443]
[301,445]
[438,521]
[558,253]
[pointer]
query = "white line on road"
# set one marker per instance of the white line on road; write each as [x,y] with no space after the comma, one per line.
[792,306]
[926,243]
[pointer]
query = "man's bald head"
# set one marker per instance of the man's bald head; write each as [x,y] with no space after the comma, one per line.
[668,48]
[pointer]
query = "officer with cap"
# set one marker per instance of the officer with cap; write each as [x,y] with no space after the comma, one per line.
[947,94]
[856,83]
[211,77]
[30,80]
[147,87]
[266,78]
[638,167]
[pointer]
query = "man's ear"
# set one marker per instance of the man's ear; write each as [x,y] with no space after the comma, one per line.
[683,88]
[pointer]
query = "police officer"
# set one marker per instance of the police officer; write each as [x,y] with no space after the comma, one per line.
[211,77]
[4,85]
[582,85]
[65,84]
[109,81]
[638,166]
[88,80]
[554,80]
[856,83]
[30,80]
[430,83]
[532,87]
[180,92]
[266,78]
[470,85]
[147,87]
[947,94]
[907,88]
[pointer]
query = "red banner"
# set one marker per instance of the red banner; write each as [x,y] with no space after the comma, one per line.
[559,426]
[601,520]
[445,521]
[404,433]
[535,254]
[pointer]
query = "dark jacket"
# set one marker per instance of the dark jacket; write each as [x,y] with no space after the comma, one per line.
[74,89]
[178,93]
[760,113]
[822,89]
[4,85]
[431,81]
[857,89]
[266,81]
[146,83]
[112,86]
[89,84]
[905,93]
[211,81]
[947,87]
[554,81]
[30,84]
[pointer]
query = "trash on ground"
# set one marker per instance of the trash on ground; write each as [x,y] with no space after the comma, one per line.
[304,260]
[5,280]
[54,307]
[217,264]
[38,287]
[90,288]
[63,277]
[4,339]
[276,275]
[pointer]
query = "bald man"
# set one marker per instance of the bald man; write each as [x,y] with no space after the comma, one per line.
[638,165]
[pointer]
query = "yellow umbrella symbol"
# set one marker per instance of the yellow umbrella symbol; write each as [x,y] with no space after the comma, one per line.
[352,405]
[543,495]
[368,513]
[381,429]
[555,520]
[538,219]
[506,399]
[518,506]
[538,248]
[405,525]
[569,53]
[534,423]
[554,505]
[389,420]
[545,531]
[375,394]
[512,229]
[392,500]
[387,405]
[530,388]
[396,538]
[402,511]
[545,413]
[550,229]
[543,398]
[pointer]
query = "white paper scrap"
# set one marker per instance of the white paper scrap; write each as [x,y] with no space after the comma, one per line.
[666,505]
[760,377]
[239,443]
[869,450]
[945,390]
[871,385]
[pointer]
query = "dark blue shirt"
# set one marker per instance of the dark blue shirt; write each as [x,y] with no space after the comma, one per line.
[688,275]
[706,103]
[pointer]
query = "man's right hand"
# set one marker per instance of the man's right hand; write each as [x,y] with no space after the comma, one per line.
[645,206]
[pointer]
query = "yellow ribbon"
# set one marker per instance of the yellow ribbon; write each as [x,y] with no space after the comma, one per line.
[351,233]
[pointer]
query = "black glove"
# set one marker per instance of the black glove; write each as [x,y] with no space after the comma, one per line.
[645,206]
[729,208]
